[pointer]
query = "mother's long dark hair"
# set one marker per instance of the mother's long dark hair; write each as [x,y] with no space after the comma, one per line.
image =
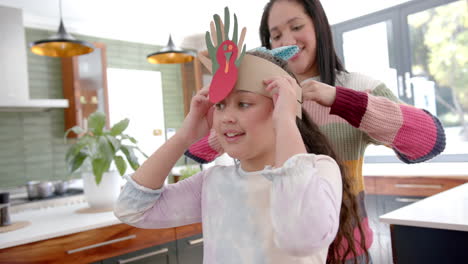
[327,60]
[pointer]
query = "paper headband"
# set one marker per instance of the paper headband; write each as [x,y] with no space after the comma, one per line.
[232,69]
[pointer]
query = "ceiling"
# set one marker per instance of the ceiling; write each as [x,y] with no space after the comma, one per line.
[151,21]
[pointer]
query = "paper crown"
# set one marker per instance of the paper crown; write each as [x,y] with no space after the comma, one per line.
[232,69]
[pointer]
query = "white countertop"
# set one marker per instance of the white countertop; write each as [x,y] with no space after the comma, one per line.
[54,222]
[445,210]
[425,169]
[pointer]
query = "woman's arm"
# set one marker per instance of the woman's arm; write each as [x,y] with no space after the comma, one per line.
[206,149]
[414,134]
[305,203]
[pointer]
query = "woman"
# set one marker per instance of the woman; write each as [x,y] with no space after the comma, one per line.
[352,110]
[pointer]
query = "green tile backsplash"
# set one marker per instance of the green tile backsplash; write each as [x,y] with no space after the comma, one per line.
[31,143]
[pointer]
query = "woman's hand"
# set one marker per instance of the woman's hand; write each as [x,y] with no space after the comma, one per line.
[283,90]
[198,121]
[319,92]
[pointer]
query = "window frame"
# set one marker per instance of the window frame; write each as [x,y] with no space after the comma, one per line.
[399,44]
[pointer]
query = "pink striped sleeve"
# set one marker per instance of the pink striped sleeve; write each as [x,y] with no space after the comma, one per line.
[414,134]
[206,149]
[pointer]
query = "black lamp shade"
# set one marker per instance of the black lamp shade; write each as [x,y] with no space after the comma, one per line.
[170,54]
[61,44]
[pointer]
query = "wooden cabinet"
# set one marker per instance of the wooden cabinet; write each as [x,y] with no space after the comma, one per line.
[88,246]
[113,244]
[189,244]
[84,81]
[190,250]
[410,186]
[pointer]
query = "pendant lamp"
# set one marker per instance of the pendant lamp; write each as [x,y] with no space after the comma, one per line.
[170,54]
[61,44]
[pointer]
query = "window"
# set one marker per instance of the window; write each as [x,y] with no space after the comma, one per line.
[137,95]
[420,50]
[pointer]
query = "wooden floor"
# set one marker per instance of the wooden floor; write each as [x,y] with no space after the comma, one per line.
[381,250]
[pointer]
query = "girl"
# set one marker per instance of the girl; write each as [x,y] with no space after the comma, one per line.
[279,204]
[351,109]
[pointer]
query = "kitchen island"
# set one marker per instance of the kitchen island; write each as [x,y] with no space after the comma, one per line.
[433,230]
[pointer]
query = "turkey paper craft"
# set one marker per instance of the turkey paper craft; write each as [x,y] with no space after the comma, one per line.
[225,57]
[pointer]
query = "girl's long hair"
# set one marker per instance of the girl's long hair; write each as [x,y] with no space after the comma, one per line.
[317,143]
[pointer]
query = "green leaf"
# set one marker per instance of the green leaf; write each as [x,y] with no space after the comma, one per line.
[120,127]
[105,149]
[76,161]
[76,129]
[114,142]
[100,166]
[96,122]
[74,150]
[132,159]
[121,165]
[132,139]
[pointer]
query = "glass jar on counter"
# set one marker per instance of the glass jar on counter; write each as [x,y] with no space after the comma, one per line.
[4,209]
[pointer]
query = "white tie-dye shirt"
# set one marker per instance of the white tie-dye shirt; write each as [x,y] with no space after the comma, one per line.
[277,215]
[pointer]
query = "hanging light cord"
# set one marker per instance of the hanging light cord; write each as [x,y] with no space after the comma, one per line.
[60,6]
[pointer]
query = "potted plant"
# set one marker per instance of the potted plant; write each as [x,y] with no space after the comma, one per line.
[102,150]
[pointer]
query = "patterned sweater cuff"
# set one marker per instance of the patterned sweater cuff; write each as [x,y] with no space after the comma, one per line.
[350,105]
[134,200]
[205,150]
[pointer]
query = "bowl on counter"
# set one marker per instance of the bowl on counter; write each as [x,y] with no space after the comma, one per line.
[60,187]
[39,189]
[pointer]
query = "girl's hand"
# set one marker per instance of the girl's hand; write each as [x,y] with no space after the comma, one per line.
[198,121]
[319,92]
[283,90]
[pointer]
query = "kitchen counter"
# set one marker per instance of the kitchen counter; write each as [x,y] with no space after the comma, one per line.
[54,222]
[433,230]
[426,169]
[446,210]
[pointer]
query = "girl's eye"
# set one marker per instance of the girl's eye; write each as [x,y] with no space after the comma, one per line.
[244,105]
[219,106]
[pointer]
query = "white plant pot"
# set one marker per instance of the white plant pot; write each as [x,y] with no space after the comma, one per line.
[104,195]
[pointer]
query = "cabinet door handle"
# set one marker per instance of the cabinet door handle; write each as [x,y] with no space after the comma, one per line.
[195,241]
[101,244]
[406,200]
[425,186]
[154,253]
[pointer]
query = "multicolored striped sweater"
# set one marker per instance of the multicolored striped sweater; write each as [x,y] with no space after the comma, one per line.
[365,112]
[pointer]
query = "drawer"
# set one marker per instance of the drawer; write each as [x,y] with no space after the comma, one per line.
[414,186]
[162,254]
[88,246]
[190,250]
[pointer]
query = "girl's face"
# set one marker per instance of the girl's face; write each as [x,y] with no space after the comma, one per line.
[244,126]
[289,24]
